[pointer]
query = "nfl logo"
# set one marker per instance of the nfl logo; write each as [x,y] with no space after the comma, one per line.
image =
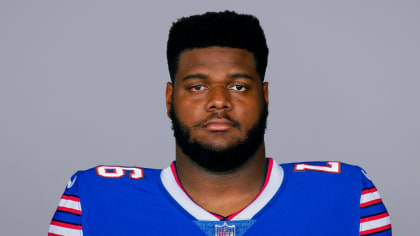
[225,230]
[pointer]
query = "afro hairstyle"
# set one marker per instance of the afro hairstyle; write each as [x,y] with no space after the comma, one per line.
[224,29]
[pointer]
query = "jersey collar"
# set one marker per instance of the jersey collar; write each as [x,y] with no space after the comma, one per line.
[272,183]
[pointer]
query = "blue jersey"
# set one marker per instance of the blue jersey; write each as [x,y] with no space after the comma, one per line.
[316,198]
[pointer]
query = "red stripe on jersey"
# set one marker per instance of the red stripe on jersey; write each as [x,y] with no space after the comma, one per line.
[366,204]
[369,190]
[51,234]
[217,216]
[371,231]
[176,177]
[66,225]
[73,198]
[375,217]
[267,178]
[66,209]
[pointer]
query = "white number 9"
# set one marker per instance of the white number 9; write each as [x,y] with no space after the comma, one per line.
[119,171]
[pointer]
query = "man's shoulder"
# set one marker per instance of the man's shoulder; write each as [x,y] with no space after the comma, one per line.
[114,177]
[323,181]
[332,173]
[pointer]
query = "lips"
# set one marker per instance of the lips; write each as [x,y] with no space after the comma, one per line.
[217,124]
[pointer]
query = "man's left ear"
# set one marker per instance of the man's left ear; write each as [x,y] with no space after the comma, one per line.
[265,89]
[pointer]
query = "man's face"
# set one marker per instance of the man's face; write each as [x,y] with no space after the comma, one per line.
[218,106]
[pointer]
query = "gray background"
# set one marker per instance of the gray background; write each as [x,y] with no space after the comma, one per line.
[82,83]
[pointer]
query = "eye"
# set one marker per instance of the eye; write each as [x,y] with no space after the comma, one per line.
[197,88]
[238,87]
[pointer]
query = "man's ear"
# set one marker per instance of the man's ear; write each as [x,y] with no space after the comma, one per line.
[169,91]
[265,90]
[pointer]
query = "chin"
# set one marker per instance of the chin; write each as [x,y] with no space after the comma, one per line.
[219,145]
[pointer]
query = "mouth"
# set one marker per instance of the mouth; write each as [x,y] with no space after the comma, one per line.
[217,124]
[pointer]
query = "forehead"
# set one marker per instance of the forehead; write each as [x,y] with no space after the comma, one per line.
[216,58]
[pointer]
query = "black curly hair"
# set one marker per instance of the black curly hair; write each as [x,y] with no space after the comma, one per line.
[225,29]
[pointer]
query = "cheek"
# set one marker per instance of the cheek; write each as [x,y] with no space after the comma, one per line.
[187,111]
[252,115]
[248,112]
[248,109]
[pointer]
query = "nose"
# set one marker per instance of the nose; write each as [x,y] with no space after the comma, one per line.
[219,99]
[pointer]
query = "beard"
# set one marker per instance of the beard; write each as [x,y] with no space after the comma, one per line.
[216,159]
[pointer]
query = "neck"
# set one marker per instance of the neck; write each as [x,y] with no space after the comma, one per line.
[222,193]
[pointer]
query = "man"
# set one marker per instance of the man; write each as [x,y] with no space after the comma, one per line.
[221,183]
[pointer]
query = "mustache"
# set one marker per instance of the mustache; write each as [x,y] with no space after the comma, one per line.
[219,115]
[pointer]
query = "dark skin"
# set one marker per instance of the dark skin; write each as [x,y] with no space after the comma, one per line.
[212,81]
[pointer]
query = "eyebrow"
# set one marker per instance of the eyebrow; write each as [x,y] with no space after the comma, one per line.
[195,76]
[232,76]
[241,75]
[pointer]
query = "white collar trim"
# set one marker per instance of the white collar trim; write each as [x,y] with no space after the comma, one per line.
[178,194]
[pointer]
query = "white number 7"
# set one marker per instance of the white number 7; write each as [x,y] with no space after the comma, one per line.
[333,167]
